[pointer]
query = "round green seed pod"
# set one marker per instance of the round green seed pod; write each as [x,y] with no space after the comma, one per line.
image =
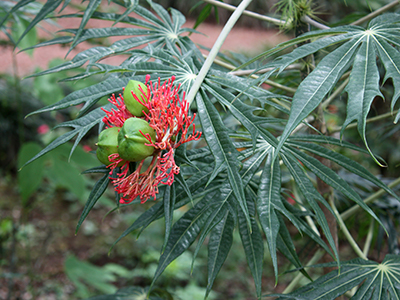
[108,144]
[131,143]
[134,107]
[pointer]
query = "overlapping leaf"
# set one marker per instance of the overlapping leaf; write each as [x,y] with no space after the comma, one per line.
[221,146]
[374,281]
[81,127]
[269,193]
[357,50]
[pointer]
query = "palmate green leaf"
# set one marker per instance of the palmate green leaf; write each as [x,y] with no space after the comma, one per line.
[219,245]
[269,191]
[89,10]
[252,243]
[169,207]
[47,8]
[332,32]
[390,58]
[363,87]
[345,162]
[329,140]
[16,7]
[203,15]
[157,210]
[221,147]
[222,204]
[184,232]
[320,82]
[375,280]
[97,191]
[100,169]
[81,127]
[311,195]
[331,178]
[241,111]
[284,241]
[285,245]
[130,7]
[364,78]
[89,95]
[94,54]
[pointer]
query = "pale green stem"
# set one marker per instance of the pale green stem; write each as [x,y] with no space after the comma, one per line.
[262,71]
[215,49]
[370,120]
[247,13]
[370,199]
[307,19]
[309,220]
[317,256]
[368,240]
[304,123]
[278,85]
[334,94]
[376,13]
[269,82]
[346,232]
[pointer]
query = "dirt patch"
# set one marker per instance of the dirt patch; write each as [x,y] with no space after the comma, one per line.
[244,40]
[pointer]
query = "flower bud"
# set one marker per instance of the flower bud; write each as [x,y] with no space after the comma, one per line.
[108,144]
[134,107]
[131,142]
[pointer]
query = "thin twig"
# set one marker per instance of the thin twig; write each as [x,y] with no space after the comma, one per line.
[307,19]
[370,120]
[376,13]
[247,13]
[317,256]
[262,71]
[269,82]
[371,198]
[368,240]
[346,232]
[309,220]
[215,49]
[334,94]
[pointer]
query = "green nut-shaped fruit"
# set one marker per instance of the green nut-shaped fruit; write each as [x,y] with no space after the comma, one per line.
[131,143]
[134,107]
[108,144]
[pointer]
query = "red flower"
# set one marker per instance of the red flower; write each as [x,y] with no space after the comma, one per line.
[169,116]
[43,129]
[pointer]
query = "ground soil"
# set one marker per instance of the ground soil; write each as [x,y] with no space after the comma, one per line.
[245,40]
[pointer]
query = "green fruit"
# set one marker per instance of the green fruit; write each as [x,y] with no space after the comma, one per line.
[131,143]
[108,144]
[134,107]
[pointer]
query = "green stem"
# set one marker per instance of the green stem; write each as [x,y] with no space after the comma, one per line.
[308,20]
[334,94]
[346,232]
[247,13]
[376,13]
[371,198]
[269,82]
[262,71]
[368,240]
[309,220]
[215,49]
[317,256]
[370,120]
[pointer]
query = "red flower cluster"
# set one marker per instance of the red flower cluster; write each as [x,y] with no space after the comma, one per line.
[169,116]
